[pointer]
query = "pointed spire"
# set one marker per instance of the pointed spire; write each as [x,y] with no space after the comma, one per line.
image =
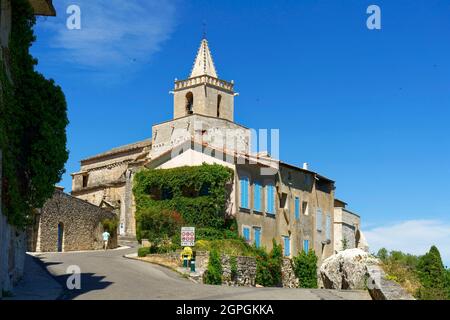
[203,64]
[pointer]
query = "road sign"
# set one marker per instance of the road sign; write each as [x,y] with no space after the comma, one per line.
[187,236]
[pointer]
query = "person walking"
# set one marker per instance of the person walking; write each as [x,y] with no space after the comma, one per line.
[106,237]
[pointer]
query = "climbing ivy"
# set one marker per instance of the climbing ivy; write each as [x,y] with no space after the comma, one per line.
[198,193]
[33,120]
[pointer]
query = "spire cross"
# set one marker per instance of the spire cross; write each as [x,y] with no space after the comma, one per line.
[204,29]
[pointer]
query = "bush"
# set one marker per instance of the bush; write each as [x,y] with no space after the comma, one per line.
[156,225]
[305,269]
[111,225]
[213,274]
[232,247]
[142,252]
[268,266]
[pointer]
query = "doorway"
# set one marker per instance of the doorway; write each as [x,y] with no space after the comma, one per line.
[60,236]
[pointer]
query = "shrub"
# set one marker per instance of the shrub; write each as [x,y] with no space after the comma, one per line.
[268,266]
[305,269]
[142,252]
[213,274]
[111,225]
[156,225]
[233,267]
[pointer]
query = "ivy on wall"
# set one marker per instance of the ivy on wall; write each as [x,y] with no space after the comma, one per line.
[198,193]
[33,120]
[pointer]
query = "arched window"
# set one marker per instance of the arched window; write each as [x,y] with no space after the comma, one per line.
[219,100]
[189,103]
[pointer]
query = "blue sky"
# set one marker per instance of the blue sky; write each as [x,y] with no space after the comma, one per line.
[367,108]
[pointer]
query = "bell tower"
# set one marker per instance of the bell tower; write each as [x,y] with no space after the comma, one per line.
[203,92]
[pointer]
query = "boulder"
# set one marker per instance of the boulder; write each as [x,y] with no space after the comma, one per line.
[348,269]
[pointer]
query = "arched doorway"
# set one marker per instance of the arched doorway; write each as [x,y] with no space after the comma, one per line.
[60,236]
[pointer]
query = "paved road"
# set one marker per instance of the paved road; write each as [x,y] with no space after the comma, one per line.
[108,275]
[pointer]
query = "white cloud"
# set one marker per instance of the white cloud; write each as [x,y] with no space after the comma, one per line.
[114,33]
[412,236]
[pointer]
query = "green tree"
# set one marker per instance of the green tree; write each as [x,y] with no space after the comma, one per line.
[213,274]
[382,254]
[432,276]
[33,120]
[305,269]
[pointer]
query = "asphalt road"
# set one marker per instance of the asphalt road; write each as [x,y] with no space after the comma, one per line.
[108,275]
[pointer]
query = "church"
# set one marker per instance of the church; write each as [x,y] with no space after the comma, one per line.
[269,198]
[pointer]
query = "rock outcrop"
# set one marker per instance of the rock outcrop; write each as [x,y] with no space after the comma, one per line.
[355,269]
[347,270]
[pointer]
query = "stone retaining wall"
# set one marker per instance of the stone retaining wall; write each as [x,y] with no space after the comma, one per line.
[288,278]
[246,271]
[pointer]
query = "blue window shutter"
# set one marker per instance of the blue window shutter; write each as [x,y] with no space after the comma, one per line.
[246,234]
[257,196]
[328,227]
[319,219]
[287,247]
[270,199]
[297,208]
[257,237]
[244,192]
[306,245]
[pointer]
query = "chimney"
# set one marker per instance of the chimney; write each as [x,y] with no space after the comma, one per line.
[305,165]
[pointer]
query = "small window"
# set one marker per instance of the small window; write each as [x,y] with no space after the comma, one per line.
[85,180]
[287,246]
[305,208]
[297,208]
[189,103]
[306,245]
[219,100]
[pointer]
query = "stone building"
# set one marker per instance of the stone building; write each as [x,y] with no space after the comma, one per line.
[271,199]
[347,228]
[66,223]
[12,240]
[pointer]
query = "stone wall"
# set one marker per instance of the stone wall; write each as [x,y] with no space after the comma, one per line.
[288,278]
[12,249]
[245,271]
[81,224]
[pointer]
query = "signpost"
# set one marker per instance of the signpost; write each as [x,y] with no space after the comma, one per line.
[188,236]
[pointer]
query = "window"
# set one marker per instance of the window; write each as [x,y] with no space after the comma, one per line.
[305,208]
[287,246]
[257,236]
[246,233]
[257,196]
[319,220]
[85,180]
[219,99]
[244,192]
[306,245]
[270,199]
[328,227]
[189,103]
[297,208]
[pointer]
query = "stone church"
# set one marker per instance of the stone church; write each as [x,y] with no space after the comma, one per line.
[270,199]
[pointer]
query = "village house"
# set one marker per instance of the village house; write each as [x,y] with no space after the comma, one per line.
[269,198]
